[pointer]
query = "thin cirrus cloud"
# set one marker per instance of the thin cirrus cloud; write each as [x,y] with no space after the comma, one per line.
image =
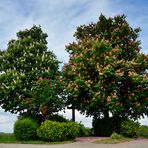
[59,19]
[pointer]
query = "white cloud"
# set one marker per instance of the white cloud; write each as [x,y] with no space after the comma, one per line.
[144,121]
[6,121]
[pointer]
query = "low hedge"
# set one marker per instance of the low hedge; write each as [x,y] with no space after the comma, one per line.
[58,131]
[84,131]
[115,135]
[130,128]
[58,118]
[25,129]
[143,131]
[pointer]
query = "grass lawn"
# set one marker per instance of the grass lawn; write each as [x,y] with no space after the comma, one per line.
[113,141]
[7,138]
[10,138]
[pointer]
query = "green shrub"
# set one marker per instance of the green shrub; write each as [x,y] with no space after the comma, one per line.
[58,131]
[71,130]
[84,131]
[25,129]
[143,131]
[115,135]
[58,118]
[130,128]
[38,118]
[106,126]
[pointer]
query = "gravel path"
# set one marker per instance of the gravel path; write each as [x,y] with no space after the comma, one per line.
[142,143]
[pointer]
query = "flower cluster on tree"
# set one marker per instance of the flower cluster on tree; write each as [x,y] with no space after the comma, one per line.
[25,62]
[106,72]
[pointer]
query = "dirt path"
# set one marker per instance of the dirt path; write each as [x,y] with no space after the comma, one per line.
[88,139]
[142,143]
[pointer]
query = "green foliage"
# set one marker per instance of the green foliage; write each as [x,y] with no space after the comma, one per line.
[25,129]
[143,131]
[106,126]
[130,128]
[28,66]
[36,117]
[58,118]
[58,131]
[1,59]
[47,95]
[115,135]
[84,131]
[106,71]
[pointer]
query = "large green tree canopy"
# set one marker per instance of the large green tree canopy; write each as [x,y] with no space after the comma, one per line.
[27,67]
[106,71]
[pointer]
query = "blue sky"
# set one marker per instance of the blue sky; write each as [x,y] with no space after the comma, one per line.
[59,18]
